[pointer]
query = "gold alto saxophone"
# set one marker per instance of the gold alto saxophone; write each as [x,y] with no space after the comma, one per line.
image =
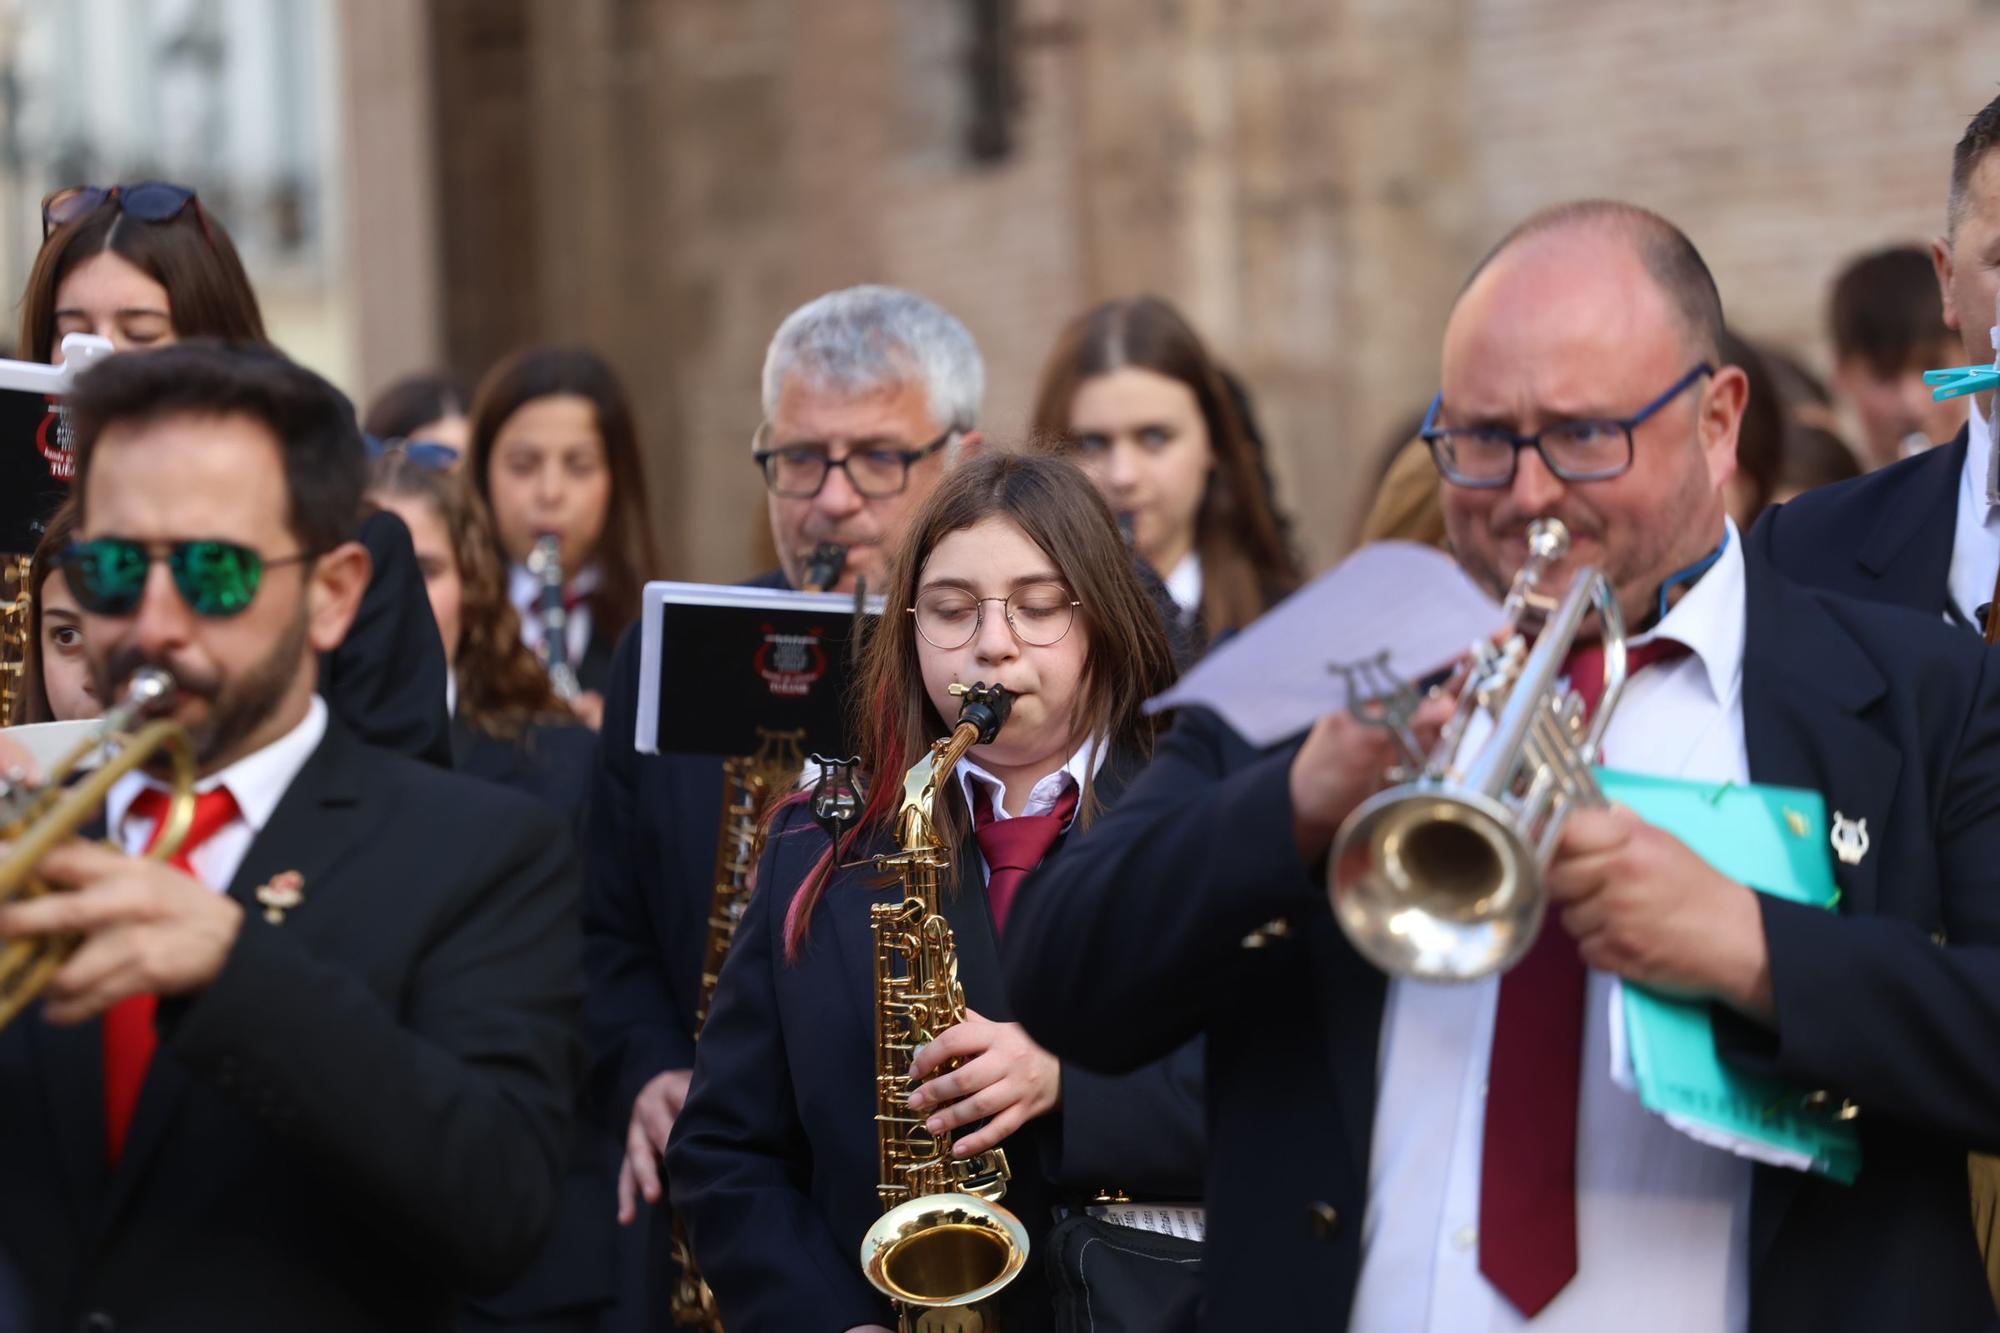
[749,784]
[943,1245]
[16,623]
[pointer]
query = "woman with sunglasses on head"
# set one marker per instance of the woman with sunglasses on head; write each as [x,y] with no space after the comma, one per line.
[423,409]
[145,265]
[1012,573]
[555,453]
[1134,398]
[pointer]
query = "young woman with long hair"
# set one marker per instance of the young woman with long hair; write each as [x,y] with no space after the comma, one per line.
[1013,573]
[507,723]
[554,450]
[1132,395]
[55,684]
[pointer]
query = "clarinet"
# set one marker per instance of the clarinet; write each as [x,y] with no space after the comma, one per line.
[545,563]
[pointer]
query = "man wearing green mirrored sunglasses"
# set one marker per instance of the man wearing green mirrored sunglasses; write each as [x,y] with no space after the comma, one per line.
[338,1027]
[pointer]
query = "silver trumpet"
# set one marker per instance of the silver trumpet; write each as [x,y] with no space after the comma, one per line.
[1440,878]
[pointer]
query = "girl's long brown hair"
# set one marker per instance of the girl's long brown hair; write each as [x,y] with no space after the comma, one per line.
[31,700]
[625,551]
[1129,661]
[502,687]
[1247,564]
[208,293]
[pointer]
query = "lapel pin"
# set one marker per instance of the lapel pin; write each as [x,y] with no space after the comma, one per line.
[1797,823]
[1850,839]
[286,890]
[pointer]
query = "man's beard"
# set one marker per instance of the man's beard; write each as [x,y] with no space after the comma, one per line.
[236,708]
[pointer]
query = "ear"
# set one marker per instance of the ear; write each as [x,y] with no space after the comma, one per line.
[1941,260]
[1721,418]
[333,597]
[969,447]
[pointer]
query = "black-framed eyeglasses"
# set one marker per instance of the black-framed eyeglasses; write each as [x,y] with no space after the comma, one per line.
[217,579]
[1040,614]
[799,471]
[148,201]
[1589,449]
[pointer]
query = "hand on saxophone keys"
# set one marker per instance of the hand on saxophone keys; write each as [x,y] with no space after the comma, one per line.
[148,929]
[1002,1077]
[1640,904]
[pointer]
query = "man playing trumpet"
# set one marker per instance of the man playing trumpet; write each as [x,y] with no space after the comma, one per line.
[315,1073]
[1394,1155]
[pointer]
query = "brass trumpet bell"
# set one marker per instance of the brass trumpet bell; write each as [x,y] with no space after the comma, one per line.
[36,820]
[1436,885]
[940,1250]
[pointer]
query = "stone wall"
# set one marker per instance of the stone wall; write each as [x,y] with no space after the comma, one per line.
[1309,179]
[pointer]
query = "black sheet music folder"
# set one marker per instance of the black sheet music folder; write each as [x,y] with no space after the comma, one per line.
[718,663]
[36,465]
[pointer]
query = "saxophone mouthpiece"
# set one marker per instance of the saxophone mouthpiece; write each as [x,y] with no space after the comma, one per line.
[985,706]
[824,565]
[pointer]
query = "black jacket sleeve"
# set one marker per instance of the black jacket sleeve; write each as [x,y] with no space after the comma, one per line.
[386,681]
[1112,958]
[740,1165]
[446,1118]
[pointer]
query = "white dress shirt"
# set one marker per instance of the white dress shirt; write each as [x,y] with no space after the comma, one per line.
[1975,541]
[1662,1221]
[258,781]
[524,590]
[1184,586]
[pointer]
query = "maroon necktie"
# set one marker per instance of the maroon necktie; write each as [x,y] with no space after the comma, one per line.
[1527,1177]
[129,1038]
[1013,847]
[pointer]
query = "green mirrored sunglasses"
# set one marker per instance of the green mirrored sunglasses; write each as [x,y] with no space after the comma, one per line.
[107,576]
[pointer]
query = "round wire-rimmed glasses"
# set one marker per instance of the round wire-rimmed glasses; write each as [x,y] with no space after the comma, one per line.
[1039,614]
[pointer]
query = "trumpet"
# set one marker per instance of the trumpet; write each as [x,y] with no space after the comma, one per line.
[1440,878]
[35,819]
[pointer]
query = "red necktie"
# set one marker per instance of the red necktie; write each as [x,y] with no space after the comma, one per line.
[129,1039]
[1527,1177]
[1013,847]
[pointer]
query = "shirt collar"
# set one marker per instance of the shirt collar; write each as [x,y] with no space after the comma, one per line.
[1978,475]
[1082,765]
[258,780]
[1184,584]
[1708,619]
[524,589]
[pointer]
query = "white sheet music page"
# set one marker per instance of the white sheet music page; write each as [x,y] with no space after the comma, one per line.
[1273,680]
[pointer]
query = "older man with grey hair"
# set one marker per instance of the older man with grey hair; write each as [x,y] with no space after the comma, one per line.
[869,394]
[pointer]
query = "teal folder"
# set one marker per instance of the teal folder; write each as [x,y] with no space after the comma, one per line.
[1775,840]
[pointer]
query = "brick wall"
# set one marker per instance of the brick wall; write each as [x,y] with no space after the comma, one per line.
[1309,179]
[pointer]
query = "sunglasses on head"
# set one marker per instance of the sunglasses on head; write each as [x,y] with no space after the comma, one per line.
[426,454]
[148,201]
[217,579]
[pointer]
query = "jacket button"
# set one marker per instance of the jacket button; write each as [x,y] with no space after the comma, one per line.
[96,1322]
[1324,1219]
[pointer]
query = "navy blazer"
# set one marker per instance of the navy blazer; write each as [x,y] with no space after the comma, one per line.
[1893,1002]
[363,1116]
[1884,537]
[774,1161]
[550,761]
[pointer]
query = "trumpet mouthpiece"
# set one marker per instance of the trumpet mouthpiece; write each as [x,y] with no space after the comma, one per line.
[1548,539]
